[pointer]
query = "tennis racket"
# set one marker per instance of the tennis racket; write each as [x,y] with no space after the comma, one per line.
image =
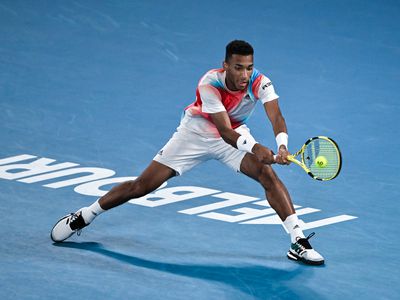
[320,157]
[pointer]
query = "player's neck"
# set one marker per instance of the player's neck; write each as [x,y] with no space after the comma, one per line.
[230,86]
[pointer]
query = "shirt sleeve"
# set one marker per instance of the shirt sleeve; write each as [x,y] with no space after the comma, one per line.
[266,90]
[211,99]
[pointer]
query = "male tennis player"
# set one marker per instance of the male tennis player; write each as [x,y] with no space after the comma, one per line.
[214,127]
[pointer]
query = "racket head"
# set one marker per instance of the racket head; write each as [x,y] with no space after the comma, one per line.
[317,147]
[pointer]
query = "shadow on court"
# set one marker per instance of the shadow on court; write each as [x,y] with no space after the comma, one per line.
[255,280]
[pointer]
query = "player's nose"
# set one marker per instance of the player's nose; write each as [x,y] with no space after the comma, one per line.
[245,74]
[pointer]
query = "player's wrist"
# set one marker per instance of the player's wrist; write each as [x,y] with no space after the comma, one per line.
[282,139]
[245,144]
[282,148]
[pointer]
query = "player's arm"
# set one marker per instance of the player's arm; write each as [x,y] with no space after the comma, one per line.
[230,136]
[280,130]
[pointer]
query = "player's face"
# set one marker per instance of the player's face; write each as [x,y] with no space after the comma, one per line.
[238,71]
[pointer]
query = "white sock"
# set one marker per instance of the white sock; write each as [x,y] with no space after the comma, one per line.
[292,225]
[91,212]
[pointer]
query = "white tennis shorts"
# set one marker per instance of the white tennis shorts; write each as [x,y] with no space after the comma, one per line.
[187,149]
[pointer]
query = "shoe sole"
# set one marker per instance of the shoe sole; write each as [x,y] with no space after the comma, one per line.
[295,257]
[58,222]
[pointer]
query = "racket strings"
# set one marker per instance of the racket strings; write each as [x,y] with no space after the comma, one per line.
[325,148]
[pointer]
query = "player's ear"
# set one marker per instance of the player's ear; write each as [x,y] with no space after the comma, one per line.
[225,65]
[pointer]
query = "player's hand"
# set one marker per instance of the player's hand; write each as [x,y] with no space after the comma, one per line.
[263,154]
[281,157]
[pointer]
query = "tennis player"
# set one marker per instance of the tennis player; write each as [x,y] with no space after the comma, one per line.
[214,127]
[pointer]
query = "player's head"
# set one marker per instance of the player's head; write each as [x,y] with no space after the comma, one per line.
[238,47]
[238,64]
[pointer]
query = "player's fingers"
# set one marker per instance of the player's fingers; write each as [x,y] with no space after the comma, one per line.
[284,155]
[285,160]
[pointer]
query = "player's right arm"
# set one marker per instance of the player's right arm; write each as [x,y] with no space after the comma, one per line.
[222,122]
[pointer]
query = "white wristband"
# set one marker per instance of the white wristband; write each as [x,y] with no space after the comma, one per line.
[282,138]
[245,144]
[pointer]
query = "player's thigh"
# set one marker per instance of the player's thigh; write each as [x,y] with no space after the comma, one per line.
[183,151]
[228,155]
[154,176]
[253,168]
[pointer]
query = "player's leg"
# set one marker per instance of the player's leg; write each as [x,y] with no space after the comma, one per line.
[276,192]
[247,163]
[279,199]
[182,152]
[151,178]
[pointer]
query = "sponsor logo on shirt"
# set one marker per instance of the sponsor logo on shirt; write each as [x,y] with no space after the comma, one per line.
[266,85]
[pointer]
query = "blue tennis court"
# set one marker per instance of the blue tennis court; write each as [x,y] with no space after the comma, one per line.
[91,90]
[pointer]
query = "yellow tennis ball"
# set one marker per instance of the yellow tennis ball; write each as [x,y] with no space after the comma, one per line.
[321,161]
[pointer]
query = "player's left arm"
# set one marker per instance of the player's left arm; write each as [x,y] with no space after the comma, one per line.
[280,130]
[222,122]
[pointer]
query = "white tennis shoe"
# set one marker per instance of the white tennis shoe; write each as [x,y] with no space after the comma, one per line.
[67,226]
[302,251]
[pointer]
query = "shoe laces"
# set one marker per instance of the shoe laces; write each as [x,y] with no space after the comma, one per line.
[75,219]
[310,236]
[303,243]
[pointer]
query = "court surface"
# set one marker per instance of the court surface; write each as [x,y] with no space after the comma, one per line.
[99,87]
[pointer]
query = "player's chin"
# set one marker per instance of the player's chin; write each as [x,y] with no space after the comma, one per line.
[241,87]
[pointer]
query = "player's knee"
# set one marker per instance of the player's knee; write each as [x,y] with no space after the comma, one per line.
[136,188]
[267,176]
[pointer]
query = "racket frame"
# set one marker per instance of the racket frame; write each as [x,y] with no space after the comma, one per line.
[301,163]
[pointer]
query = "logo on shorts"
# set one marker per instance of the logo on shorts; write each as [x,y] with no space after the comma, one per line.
[160,152]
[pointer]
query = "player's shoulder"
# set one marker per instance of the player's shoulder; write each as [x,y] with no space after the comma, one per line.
[261,85]
[258,76]
[212,77]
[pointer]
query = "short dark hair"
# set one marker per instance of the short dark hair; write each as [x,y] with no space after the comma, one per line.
[238,47]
